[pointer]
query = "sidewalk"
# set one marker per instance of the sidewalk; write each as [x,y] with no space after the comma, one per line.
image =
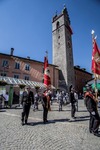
[60,133]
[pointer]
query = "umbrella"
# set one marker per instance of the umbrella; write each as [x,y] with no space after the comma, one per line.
[97,86]
[84,89]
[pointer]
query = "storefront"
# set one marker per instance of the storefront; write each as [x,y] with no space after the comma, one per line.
[15,88]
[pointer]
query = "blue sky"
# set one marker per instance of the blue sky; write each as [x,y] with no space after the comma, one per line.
[26,25]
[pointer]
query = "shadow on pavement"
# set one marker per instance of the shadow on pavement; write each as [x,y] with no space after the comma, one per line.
[81,118]
[49,122]
[61,120]
[59,111]
[2,110]
[84,118]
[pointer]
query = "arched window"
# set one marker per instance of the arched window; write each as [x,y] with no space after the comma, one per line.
[57,25]
[17,65]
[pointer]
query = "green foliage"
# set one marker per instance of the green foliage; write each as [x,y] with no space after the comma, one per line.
[37,87]
[21,86]
[3,83]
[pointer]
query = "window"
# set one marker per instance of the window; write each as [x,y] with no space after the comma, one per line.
[59,37]
[42,80]
[17,65]
[26,78]
[16,76]
[3,74]
[5,63]
[43,70]
[27,67]
[57,25]
[69,45]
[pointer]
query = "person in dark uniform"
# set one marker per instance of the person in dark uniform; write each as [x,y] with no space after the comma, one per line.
[27,100]
[70,88]
[46,105]
[72,101]
[91,105]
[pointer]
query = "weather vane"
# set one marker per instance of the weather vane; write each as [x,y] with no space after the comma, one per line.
[56,12]
[46,53]
[64,6]
[93,37]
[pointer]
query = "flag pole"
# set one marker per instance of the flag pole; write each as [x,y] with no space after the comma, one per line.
[95,78]
[47,79]
[46,53]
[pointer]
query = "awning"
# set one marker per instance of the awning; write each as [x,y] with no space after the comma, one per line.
[14,81]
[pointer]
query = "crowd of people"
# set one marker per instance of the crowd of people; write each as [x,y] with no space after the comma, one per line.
[4,98]
[29,98]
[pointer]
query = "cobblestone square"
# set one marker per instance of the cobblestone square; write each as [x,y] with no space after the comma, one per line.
[60,133]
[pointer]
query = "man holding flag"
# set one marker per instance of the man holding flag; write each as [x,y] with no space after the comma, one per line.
[90,98]
[47,92]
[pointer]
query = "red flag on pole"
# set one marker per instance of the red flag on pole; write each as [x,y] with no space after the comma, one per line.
[47,79]
[95,60]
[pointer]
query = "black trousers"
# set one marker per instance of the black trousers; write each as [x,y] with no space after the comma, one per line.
[73,109]
[94,122]
[25,113]
[45,113]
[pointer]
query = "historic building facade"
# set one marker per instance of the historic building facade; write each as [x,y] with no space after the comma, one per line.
[62,71]
[81,78]
[26,68]
[32,70]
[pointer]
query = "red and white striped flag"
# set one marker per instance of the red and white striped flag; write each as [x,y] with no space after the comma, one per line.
[95,60]
[47,79]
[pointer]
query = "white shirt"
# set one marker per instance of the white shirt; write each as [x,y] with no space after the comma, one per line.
[76,96]
[6,96]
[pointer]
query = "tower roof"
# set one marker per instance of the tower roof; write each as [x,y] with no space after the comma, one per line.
[64,12]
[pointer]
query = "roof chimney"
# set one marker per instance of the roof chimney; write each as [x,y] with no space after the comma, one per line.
[28,57]
[11,52]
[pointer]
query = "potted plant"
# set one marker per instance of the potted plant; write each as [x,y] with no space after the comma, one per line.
[21,86]
[3,83]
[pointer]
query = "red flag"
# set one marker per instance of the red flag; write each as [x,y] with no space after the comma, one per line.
[47,79]
[95,60]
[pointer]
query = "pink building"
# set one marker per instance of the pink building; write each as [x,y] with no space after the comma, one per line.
[26,68]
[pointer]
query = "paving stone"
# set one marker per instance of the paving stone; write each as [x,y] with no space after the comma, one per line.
[60,133]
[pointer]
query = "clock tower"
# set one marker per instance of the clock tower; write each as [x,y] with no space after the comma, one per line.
[62,49]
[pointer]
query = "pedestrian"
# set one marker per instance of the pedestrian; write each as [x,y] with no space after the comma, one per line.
[72,101]
[70,88]
[60,100]
[36,100]
[6,98]
[46,105]
[76,99]
[1,101]
[91,105]
[27,101]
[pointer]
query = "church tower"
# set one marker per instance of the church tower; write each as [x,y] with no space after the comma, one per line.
[62,49]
